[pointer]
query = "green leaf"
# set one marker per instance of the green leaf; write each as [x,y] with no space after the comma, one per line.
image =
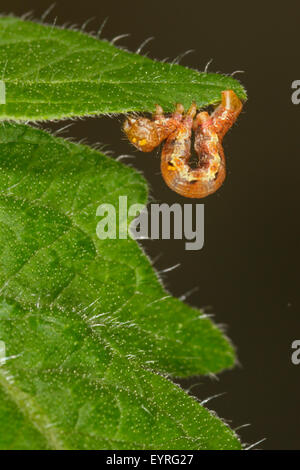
[90,334]
[52,73]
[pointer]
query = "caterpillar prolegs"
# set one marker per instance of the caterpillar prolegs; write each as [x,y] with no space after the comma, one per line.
[209,174]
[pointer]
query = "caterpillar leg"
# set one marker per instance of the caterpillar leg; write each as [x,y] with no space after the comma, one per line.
[146,134]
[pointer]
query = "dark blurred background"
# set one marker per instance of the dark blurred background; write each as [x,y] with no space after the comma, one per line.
[247,274]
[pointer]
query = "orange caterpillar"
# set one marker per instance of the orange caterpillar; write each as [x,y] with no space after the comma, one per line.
[146,134]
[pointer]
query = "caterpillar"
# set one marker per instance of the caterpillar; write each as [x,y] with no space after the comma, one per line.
[176,130]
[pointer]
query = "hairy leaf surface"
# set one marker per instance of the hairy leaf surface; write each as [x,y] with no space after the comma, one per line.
[89,332]
[52,73]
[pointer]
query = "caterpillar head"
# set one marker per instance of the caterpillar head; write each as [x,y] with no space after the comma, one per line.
[142,133]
